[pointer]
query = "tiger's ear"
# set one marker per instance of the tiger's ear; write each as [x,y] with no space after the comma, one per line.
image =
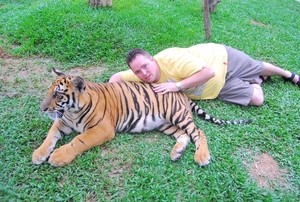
[57,73]
[79,84]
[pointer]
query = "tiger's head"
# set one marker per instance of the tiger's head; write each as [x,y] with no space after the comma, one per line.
[62,95]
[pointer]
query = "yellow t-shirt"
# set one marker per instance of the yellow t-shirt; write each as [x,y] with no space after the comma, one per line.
[177,64]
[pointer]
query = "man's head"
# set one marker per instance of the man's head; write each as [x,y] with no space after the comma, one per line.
[143,65]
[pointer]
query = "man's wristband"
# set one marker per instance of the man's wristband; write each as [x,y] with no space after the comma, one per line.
[178,85]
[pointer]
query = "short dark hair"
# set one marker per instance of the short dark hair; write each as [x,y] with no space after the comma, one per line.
[133,53]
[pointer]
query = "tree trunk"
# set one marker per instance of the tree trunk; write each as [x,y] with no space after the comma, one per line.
[100,3]
[208,7]
[206,19]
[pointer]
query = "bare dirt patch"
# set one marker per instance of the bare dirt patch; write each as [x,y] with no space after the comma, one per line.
[266,172]
[259,24]
[32,75]
[3,54]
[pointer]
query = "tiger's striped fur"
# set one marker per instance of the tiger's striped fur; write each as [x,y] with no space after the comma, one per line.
[98,111]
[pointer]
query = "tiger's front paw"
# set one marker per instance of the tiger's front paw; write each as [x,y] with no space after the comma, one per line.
[41,154]
[61,156]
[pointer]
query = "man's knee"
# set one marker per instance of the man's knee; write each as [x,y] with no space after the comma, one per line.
[257,101]
[258,96]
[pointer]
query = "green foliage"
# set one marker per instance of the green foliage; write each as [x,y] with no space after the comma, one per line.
[138,167]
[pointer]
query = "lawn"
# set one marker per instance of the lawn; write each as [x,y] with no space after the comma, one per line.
[250,162]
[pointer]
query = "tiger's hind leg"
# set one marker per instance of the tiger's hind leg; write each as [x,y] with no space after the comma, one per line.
[181,137]
[202,155]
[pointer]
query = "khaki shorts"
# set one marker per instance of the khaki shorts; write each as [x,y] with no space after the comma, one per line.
[242,71]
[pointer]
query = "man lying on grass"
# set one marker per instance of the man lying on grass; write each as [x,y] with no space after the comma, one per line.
[204,71]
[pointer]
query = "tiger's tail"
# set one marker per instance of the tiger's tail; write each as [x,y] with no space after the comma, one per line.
[201,113]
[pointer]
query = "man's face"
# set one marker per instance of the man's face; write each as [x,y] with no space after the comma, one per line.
[145,68]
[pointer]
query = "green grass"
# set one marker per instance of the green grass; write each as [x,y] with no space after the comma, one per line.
[138,167]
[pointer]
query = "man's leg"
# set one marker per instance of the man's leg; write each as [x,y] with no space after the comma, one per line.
[242,85]
[258,95]
[243,93]
[272,70]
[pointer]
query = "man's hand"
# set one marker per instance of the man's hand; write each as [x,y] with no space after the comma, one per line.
[165,87]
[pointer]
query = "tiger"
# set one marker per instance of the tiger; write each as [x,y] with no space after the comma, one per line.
[100,110]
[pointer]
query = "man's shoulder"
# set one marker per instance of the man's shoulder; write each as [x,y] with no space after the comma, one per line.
[128,75]
[168,51]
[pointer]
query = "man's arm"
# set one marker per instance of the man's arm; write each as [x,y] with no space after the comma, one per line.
[197,79]
[116,77]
